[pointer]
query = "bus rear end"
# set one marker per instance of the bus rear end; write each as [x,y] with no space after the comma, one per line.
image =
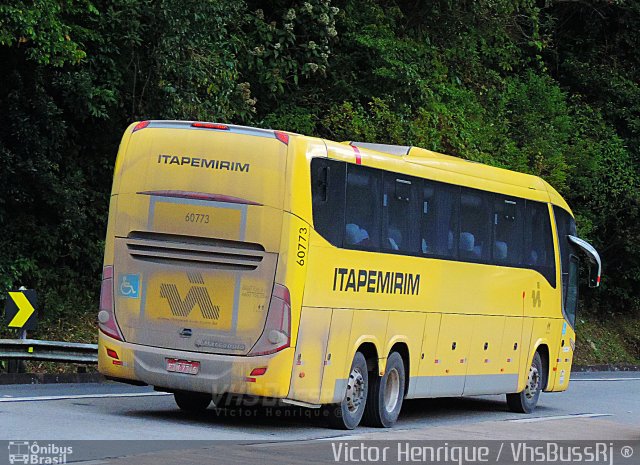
[189,298]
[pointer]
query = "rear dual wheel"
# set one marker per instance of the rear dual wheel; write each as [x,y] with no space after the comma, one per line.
[374,400]
[386,394]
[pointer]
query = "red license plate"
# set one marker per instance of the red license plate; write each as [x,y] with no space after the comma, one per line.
[175,365]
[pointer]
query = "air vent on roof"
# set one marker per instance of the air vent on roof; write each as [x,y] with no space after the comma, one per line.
[398,150]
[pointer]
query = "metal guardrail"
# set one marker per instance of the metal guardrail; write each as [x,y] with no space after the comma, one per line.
[52,351]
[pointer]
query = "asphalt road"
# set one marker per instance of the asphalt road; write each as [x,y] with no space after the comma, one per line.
[597,406]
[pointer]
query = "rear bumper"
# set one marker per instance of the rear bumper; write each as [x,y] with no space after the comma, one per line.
[218,373]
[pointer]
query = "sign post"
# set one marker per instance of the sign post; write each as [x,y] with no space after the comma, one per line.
[20,313]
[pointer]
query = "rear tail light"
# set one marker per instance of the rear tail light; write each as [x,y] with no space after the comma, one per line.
[106,315]
[282,137]
[277,329]
[141,125]
[258,371]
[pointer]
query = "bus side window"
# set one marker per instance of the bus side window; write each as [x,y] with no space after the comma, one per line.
[565,225]
[439,220]
[400,202]
[508,230]
[571,299]
[475,225]
[428,241]
[328,196]
[362,216]
[538,241]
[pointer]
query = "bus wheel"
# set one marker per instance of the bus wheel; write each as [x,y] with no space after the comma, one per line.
[348,413]
[192,401]
[386,394]
[526,401]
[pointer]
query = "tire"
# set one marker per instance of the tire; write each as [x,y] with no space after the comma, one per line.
[192,401]
[526,401]
[386,394]
[348,413]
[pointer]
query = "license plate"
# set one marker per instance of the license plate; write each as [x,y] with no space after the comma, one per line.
[175,365]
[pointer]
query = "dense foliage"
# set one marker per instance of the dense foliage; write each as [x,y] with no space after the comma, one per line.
[551,88]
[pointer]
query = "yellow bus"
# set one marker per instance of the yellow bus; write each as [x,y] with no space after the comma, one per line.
[344,276]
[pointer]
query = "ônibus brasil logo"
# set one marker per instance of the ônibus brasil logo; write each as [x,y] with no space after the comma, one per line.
[33,453]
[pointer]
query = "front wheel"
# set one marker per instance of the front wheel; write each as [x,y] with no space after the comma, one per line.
[386,394]
[348,413]
[526,401]
[192,401]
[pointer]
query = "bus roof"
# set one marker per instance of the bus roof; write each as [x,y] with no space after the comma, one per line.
[392,154]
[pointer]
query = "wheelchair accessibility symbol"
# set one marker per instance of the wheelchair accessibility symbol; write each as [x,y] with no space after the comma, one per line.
[129,285]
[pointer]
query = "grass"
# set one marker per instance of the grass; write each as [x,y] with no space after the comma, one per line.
[608,339]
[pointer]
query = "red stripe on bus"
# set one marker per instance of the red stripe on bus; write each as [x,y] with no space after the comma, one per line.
[358,156]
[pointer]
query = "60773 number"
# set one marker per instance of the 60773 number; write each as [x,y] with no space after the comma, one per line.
[302,246]
[196,218]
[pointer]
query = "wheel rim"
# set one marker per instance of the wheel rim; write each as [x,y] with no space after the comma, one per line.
[391,390]
[355,390]
[533,383]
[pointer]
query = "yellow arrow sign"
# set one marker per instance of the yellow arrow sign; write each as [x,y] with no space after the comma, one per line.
[25,310]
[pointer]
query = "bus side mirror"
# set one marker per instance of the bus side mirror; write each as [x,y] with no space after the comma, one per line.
[595,264]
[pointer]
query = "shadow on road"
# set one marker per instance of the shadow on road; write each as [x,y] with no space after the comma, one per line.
[281,418]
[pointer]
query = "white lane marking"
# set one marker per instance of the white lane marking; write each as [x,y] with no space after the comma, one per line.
[342,438]
[561,417]
[605,379]
[84,396]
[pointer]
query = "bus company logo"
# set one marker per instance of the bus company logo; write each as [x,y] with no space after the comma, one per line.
[198,295]
[375,281]
[535,297]
[33,453]
[207,163]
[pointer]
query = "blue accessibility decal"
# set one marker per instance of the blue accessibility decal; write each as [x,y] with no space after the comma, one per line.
[564,328]
[129,285]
